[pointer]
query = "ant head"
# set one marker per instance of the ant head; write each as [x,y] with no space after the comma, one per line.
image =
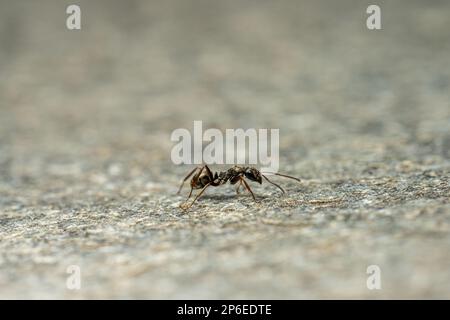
[253,174]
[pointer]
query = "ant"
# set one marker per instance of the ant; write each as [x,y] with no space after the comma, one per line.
[204,178]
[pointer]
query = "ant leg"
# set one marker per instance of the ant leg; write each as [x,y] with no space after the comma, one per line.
[238,187]
[187,177]
[248,188]
[184,204]
[282,190]
[198,196]
[190,194]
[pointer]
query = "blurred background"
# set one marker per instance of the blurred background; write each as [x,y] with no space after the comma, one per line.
[85,170]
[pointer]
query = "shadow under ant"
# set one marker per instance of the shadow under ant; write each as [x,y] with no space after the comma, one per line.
[220,197]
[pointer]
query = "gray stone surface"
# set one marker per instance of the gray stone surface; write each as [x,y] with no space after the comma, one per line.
[85,170]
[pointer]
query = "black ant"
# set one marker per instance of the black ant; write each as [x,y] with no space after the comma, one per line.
[204,178]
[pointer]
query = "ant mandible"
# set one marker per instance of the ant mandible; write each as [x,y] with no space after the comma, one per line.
[204,178]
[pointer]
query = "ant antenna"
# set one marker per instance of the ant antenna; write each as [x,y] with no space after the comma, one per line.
[284,175]
[282,190]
